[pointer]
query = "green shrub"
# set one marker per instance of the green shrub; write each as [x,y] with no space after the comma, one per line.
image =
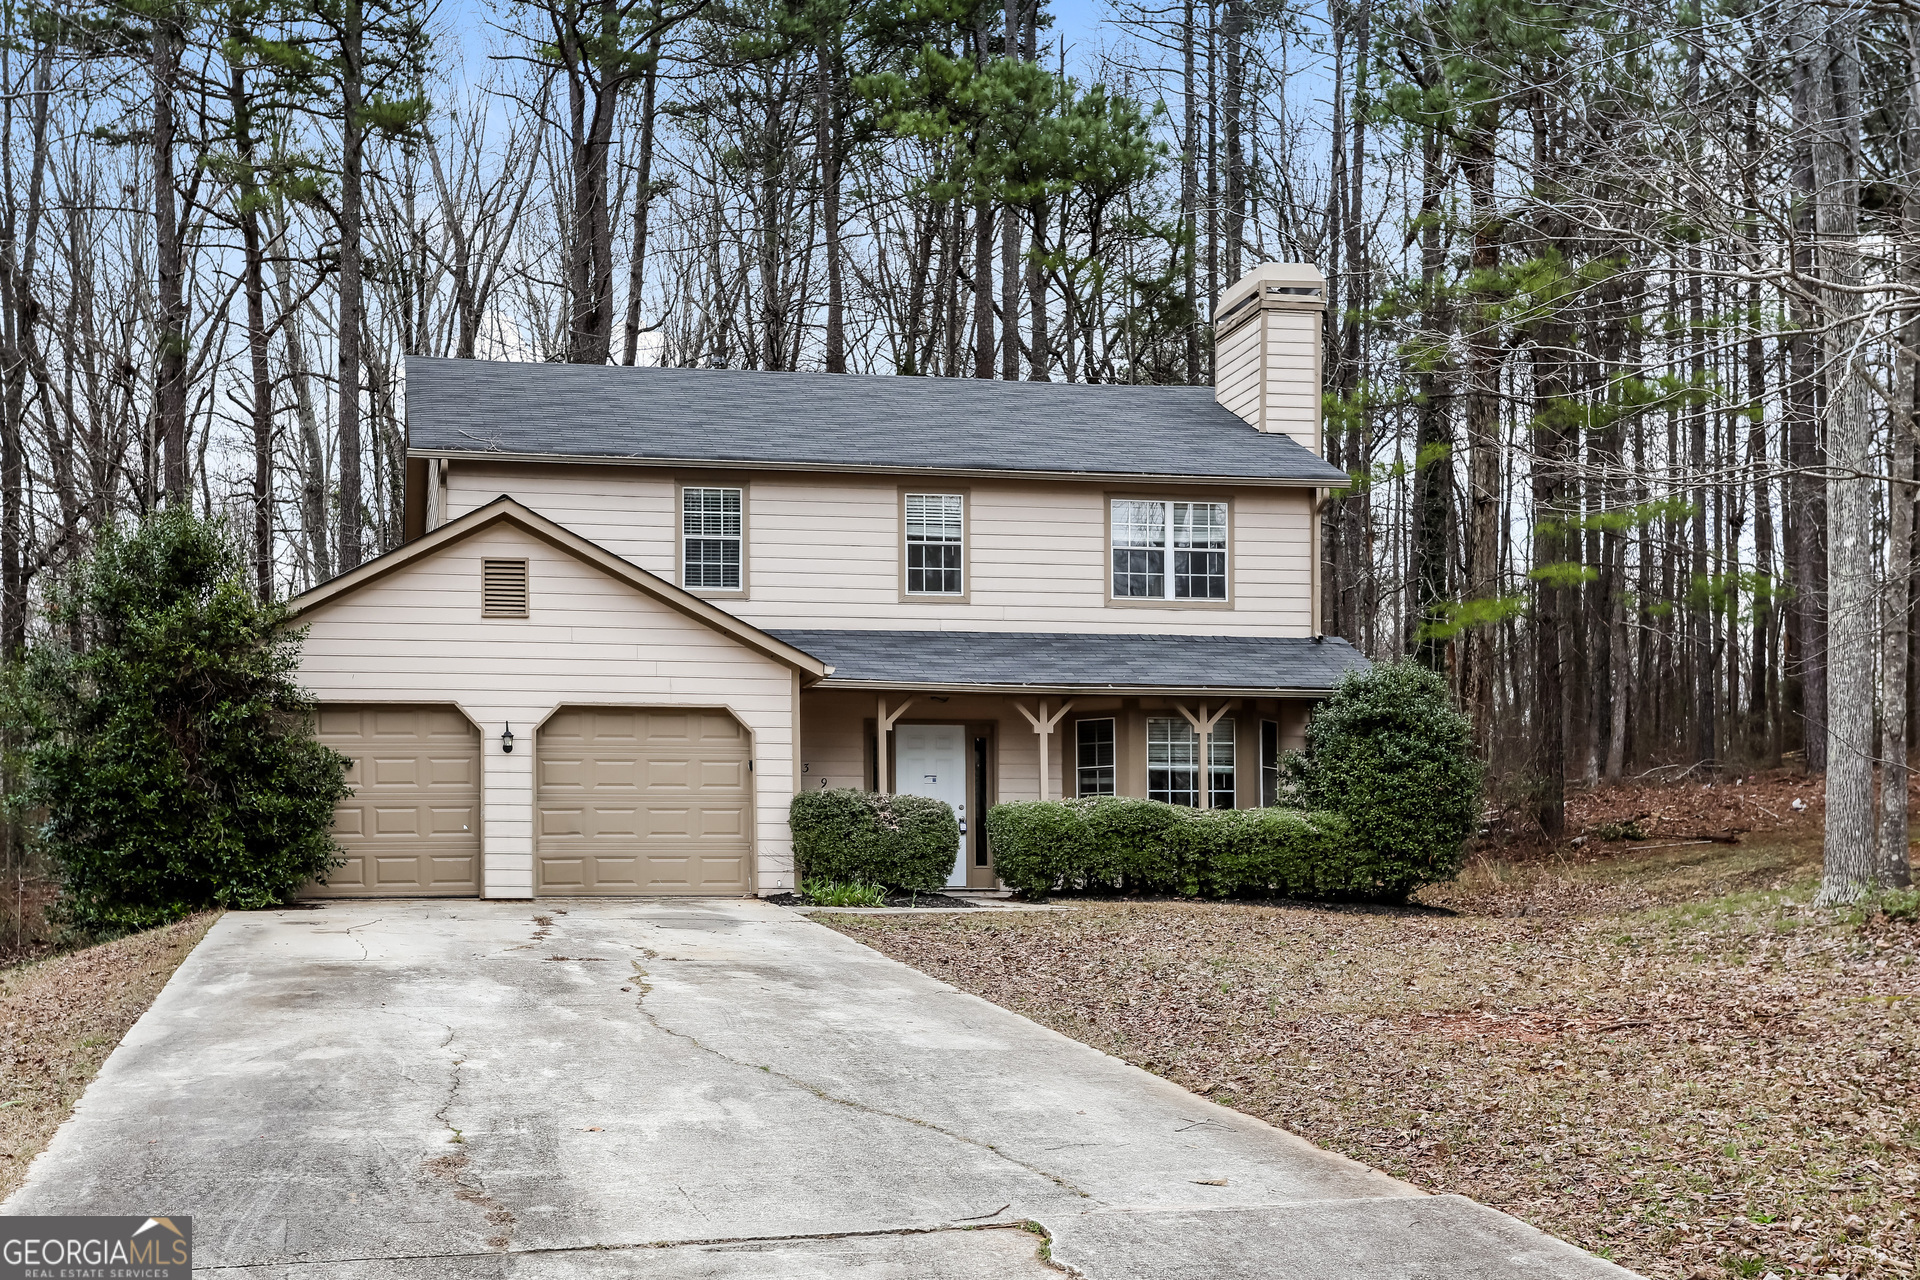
[169,752]
[1390,754]
[831,893]
[1123,844]
[847,835]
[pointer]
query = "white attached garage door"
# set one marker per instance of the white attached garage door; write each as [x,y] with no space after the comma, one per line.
[412,826]
[634,801]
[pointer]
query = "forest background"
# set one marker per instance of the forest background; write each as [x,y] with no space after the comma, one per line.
[1623,295]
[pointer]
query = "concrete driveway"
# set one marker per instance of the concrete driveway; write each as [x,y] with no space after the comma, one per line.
[712,1089]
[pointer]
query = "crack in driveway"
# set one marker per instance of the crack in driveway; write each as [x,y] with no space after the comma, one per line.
[689,1243]
[645,988]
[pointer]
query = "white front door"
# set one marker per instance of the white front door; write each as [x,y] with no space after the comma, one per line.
[931,760]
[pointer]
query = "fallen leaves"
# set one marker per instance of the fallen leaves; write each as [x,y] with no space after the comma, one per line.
[1724,1085]
[60,1018]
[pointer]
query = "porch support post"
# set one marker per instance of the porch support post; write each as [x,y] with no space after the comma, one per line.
[882,723]
[1043,726]
[1203,726]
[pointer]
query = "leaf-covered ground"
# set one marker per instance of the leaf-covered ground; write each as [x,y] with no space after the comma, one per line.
[1665,1056]
[60,1018]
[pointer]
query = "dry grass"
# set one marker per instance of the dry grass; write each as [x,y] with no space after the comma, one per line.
[60,1018]
[1667,1057]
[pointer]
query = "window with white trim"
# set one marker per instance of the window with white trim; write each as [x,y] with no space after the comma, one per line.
[1094,763]
[936,544]
[710,539]
[1173,751]
[1169,550]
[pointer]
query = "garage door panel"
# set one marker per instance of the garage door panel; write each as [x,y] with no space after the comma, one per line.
[561,874]
[556,821]
[557,773]
[452,822]
[722,775]
[389,771]
[668,774]
[443,872]
[643,802]
[723,824]
[456,772]
[411,828]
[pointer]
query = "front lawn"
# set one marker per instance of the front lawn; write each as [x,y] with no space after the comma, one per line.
[60,1018]
[1665,1056]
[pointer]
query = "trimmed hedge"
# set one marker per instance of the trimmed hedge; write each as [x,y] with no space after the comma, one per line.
[858,837]
[1119,844]
[1387,792]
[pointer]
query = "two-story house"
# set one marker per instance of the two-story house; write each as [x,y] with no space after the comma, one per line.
[638,608]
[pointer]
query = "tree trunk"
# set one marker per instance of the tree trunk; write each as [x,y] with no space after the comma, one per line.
[170,381]
[1483,429]
[1234,35]
[1190,196]
[352,134]
[253,284]
[642,201]
[1851,865]
[829,148]
[1895,859]
[1806,492]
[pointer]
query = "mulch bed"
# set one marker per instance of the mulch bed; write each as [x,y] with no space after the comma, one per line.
[1668,1058]
[61,1017]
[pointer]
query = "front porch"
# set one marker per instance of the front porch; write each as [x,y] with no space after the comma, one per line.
[946,715]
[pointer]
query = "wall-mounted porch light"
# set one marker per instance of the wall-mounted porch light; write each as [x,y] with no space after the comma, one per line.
[506,739]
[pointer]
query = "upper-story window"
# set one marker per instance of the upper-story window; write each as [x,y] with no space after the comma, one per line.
[936,544]
[1169,550]
[710,538]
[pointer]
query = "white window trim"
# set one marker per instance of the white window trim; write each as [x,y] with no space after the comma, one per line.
[1204,789]
[906,544]
[1167,597]
[682,537]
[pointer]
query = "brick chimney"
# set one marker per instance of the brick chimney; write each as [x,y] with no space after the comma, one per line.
[1266,349]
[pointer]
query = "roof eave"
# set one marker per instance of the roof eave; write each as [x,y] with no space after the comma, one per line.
[1085,690]
[879,469]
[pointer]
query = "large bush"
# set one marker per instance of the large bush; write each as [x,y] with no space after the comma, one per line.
[1390,754]
[1119,844]
[169,753]
[852,836]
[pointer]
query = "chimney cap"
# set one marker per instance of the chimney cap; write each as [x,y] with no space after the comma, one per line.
[1295,281]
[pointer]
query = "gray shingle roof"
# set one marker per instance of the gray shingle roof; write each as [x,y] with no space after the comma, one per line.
[1054,661]
[841,421]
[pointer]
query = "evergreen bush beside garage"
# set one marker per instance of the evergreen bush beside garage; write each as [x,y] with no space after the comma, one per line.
[850,836]
[169,752]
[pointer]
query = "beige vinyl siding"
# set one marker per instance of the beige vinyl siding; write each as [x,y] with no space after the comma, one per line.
[1236,377]
[1287,401]
[824,550]
[1293,397]
[417,635]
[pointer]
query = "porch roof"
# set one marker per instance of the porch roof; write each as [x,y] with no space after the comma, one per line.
[1026,662]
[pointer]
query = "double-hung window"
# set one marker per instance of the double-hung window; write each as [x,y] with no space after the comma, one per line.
[1173,756]
[1094,772]
[710,538]
[1169,550]
[936,546]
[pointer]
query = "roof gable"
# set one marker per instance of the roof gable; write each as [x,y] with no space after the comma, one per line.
[504,510]
[841,422]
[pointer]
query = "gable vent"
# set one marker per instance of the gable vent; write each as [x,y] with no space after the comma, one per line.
[503,588]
